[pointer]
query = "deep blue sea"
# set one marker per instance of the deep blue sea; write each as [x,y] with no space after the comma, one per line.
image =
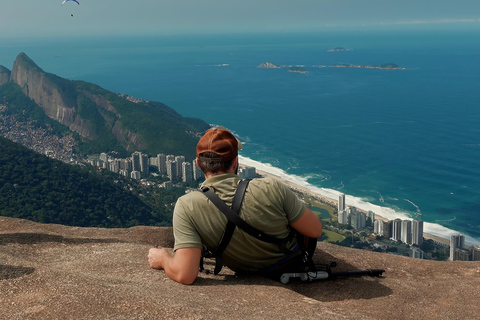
[400,142]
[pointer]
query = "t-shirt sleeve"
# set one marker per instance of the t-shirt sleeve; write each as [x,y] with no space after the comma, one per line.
[293,206]
[186,236]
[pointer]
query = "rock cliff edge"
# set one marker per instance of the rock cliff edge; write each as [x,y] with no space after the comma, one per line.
[51,271]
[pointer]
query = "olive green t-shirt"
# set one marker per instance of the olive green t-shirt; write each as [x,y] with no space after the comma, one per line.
[268,205]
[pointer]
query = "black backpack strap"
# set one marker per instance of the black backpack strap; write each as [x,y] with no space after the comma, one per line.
[227,234]
[239,222]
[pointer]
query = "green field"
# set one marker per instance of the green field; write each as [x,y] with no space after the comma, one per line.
[332,236]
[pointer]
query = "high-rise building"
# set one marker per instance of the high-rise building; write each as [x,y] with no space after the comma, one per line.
[475,250]
[387,231]
[417,232]
[341,202]
[461,254]
[187,173]
[358,219]
[144,163]
[162,163]
[179,160]
[370,218]
[172,170]
[456,241]
[113,166]
[126,164]
[382,228]
[136,166]
[397,230]
[197,173]
[406,231]
[342,217]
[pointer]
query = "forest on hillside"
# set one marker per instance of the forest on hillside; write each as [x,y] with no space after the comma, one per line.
[37,188]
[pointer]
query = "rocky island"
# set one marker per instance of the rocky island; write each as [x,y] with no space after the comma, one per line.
[297,70]
[268,65]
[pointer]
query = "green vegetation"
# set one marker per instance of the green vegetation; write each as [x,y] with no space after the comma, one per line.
[330,236]
[160,128]
[37,188]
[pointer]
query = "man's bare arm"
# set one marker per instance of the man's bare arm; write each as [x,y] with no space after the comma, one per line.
[309,224]
[181,267]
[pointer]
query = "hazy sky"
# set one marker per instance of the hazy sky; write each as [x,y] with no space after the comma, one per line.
[50,18]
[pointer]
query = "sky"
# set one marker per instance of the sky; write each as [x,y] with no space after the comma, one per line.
[26,18]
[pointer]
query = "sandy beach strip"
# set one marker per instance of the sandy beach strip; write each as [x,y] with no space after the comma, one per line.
[334,202]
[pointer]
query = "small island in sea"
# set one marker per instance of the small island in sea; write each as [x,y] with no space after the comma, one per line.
[268,65]
[297,70]
[386,66]
[337,49]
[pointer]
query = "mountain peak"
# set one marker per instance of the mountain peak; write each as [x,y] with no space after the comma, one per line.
[26,63]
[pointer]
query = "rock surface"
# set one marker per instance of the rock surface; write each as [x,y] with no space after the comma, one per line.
[51,271]
[4,75]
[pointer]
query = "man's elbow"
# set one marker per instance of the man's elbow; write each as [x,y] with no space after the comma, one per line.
[184,278]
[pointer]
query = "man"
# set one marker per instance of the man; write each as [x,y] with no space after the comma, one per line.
[268,205]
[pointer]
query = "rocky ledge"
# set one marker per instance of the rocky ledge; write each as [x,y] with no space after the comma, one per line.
[55,272]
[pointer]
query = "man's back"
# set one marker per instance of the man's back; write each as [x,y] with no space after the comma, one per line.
[268,206]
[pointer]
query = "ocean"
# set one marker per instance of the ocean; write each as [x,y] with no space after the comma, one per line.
[402,143]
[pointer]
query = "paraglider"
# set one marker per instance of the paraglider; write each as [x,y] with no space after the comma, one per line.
[70,0]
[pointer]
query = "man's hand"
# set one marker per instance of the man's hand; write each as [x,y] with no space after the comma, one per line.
[157,256]
[182,267]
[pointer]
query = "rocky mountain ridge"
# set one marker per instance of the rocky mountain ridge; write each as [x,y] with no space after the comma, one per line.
[102,118]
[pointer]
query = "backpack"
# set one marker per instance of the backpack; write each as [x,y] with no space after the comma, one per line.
[234,220]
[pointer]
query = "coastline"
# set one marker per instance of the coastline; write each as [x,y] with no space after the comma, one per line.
[432,231]
[334,202]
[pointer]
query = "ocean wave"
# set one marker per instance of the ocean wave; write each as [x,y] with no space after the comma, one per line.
[385,212]
[413,204]
[381,199]
[449,220]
